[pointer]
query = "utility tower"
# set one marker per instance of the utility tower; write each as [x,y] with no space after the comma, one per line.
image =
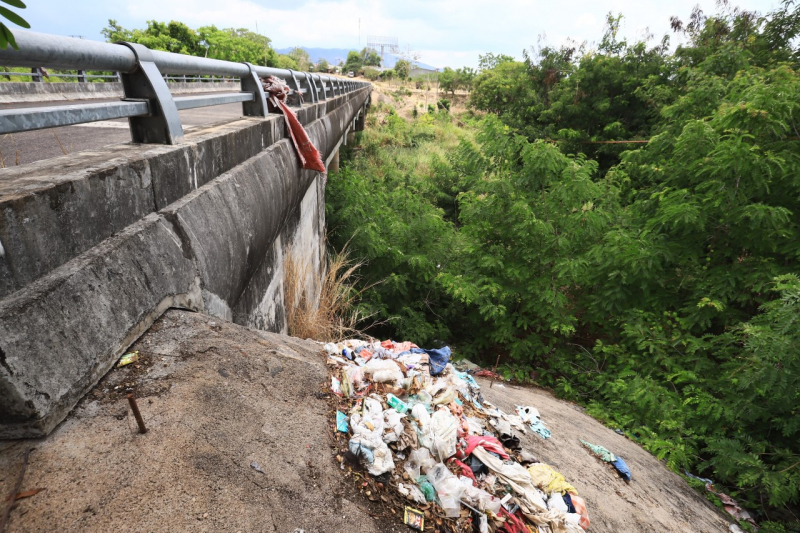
[384,43]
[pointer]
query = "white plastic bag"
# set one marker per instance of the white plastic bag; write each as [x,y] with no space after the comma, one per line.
[419,462]
[411,492]
[444,427]
[421,415]
[448,489]
[382,461]
[556,501]
[383,371]
[393,422]
[478,497]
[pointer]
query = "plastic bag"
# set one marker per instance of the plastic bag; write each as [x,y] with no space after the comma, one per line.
[478,497]
[331,348]
[412,492]
[476,425]
[556,501]
[421,415]
[419,462]
[374,452]
[444,427]
[426,488]
[383,371]
[622,469]
[393,422]
[549,480]
[449,489]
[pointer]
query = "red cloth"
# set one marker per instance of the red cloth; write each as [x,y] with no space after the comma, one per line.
[465,470]
[277,92]
[490,444]
[489,374]
[514,524]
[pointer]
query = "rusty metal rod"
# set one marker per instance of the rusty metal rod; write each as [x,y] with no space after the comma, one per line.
[13,497]
[136,414]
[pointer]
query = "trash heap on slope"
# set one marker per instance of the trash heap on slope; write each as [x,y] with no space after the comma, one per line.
[421,427]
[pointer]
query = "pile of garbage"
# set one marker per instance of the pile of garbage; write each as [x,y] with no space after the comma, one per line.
[421,427]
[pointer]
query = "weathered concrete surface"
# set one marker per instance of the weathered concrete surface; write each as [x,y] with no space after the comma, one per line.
[216,398]
[57,335]
[17,92]
[225,235]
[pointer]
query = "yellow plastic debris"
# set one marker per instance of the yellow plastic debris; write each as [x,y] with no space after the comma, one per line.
[548,480]
[128,358]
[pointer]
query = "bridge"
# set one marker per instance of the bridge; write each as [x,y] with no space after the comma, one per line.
[96,245]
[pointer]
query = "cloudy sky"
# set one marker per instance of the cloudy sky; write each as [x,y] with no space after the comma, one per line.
[444,32]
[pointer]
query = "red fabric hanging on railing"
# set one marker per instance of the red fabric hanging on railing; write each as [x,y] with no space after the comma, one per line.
[277,91]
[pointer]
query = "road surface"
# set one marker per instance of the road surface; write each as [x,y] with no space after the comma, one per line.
[27,147]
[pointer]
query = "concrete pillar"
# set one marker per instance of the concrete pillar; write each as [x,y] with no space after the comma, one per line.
[360,120]
[333,166]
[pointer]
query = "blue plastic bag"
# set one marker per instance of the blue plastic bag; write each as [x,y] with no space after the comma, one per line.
[439,359]
[622,469]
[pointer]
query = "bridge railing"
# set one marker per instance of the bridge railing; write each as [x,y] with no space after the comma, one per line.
[148,104]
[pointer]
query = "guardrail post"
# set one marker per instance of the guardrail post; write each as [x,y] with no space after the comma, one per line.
[36,75]
[312,87]
[81,76]
[296,88]
[252,84]
[324,89]
[163,126]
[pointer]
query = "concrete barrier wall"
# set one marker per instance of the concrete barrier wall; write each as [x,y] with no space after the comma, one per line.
[95,252]
[21,92]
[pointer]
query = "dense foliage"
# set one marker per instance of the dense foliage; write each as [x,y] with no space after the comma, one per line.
[655,282]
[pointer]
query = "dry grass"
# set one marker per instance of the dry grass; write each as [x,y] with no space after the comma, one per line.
[322,306]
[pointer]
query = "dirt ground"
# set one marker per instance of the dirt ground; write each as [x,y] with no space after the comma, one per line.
[216,398]
[220,400]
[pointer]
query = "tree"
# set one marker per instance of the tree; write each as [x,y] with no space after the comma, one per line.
[6,37]
[465,76]
[490,61]
[353,62]
[402,68]
[285,62]
[322,65]
[301,57]
[208,41]
[370,58]
[448,80]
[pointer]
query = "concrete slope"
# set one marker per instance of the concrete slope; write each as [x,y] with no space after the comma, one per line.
[656,499]
[216,397]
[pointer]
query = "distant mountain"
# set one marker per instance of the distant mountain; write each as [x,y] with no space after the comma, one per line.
[334,55]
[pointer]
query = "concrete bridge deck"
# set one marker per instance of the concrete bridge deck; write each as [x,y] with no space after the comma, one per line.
[32,146]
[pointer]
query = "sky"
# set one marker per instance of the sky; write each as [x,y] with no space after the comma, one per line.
[443,32]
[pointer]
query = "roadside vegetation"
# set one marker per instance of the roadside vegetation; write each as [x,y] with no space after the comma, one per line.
[619,224]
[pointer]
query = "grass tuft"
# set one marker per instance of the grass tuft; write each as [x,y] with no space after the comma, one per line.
[322,305]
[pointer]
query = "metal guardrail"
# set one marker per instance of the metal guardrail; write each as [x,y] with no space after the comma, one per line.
[151,109]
